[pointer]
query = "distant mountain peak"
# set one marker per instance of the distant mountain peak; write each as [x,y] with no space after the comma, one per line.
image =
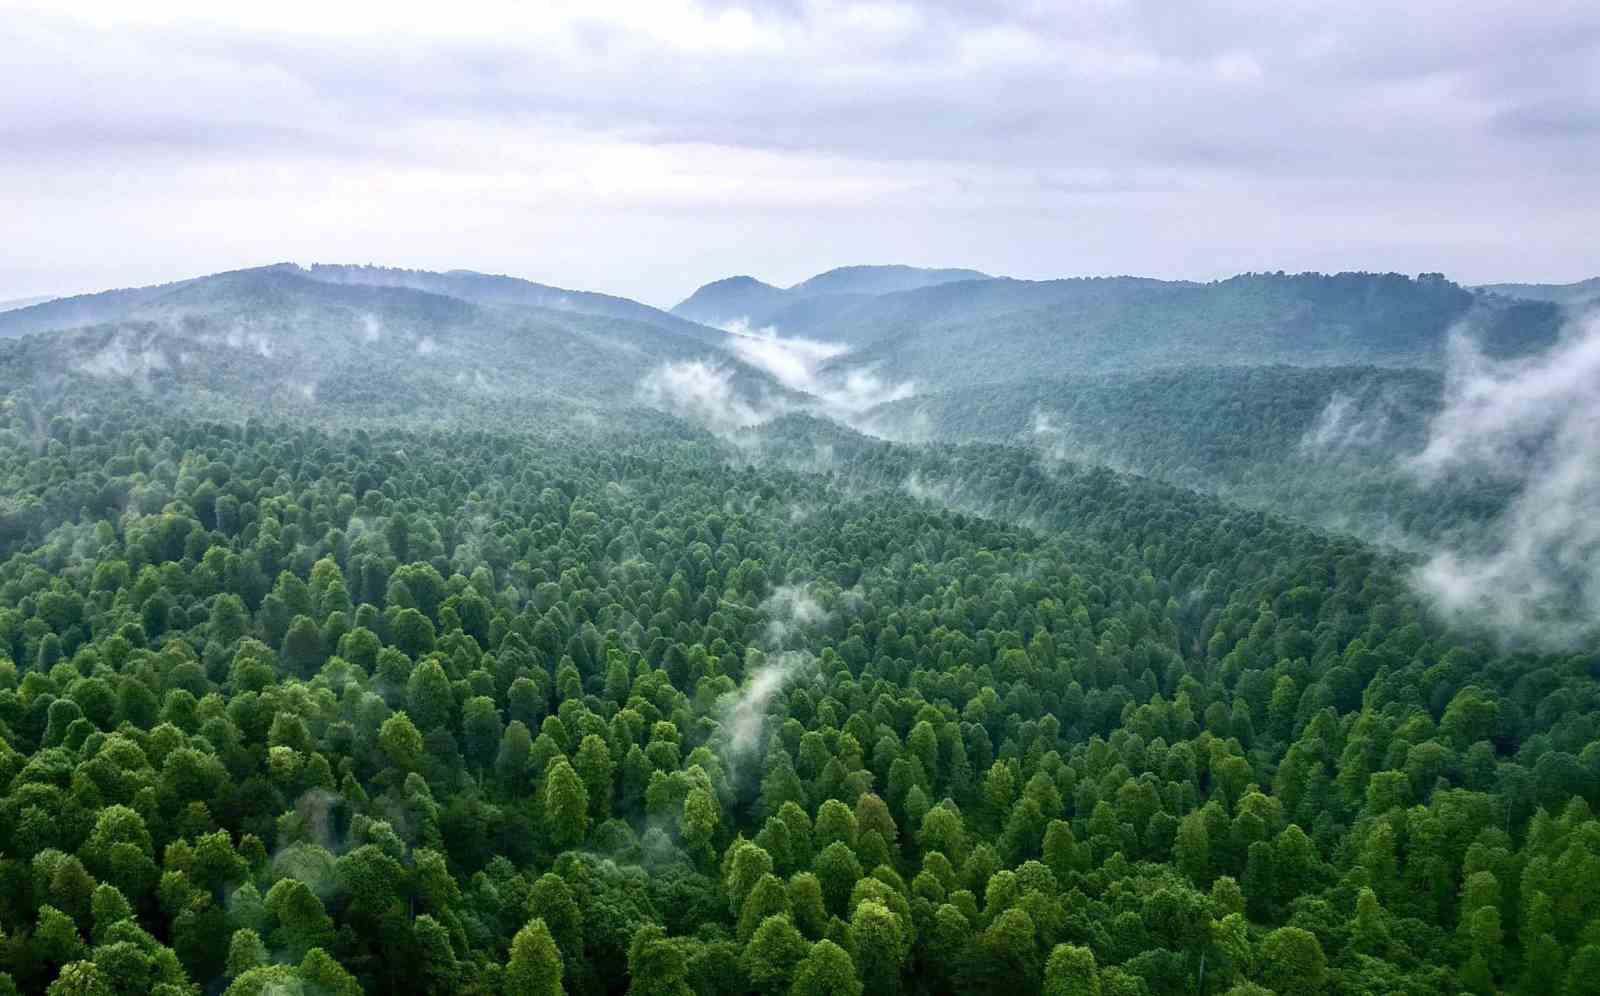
[882,279]
[742,280]
[756,301]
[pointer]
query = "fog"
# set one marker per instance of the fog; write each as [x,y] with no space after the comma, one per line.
[793,615]
[1534,423]
[812,367]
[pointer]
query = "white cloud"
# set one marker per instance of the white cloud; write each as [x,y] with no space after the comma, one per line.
[703,392]
[806,365]
[1536,424]
[566,141]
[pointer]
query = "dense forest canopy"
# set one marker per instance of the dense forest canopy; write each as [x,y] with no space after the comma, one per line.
[370,630]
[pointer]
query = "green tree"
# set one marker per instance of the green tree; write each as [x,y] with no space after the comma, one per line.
[245,951]
[1292,963]
[401,743]
[656,965]
[481,730]
[772,956]
[826,970]
[1071,971]
[429,698]
[594,766]
[81,978]
[535,968]
[566,805]
[302,652]
[413,633]
[882,945]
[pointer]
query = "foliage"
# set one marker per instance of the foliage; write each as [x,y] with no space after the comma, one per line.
[339,704]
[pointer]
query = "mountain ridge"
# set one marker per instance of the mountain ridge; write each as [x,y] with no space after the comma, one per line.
[745,299]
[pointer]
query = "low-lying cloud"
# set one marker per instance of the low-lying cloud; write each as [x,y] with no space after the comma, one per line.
[1534,423]
[744,715]
[1059,442]
[702,391]
[1351,421]
[120,358]
[793,613]
[791,610]
[706,392]
[804,365]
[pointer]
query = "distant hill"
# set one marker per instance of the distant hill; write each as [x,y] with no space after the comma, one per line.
[880,280]
[975,350]
[281,336]
[732,299]
[1578,296]
[1325,445]
[997,330]
[79,309]
[750,300]
[481,288]
[945,328]
[484,288]
[24,302]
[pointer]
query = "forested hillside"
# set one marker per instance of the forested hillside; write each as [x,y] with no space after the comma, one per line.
[955,333]
[1324,444]
[748,300]
[361,631]
[1078,326]
[1580,295]
[279,337]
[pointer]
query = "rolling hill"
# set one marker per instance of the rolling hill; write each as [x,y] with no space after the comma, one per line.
[1001,328]
[24,302]
[958,331]
[280,336]
[1579,296]
[748,300]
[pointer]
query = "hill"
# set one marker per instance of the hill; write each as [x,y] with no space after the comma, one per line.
[359,636]
[24,302]
[990,331]
[1577,296]
[80,309]
[280,336]
[876,280]
[1325,445]
[484,288]
[748,300]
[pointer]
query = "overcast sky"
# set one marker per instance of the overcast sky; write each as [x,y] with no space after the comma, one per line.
[645,148]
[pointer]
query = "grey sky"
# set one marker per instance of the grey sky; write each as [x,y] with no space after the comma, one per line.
[644,148]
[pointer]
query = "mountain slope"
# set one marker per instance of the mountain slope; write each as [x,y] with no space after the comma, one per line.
[80,309]
[467,285]
[24,302]
[999,329]
[730,299]
[278,337]
[1325,445]
[1577,296]
[484,288]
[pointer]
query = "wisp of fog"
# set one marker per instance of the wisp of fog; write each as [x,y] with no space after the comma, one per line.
[705,392]
[791,610]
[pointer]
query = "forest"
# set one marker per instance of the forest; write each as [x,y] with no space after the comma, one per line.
[366,632]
